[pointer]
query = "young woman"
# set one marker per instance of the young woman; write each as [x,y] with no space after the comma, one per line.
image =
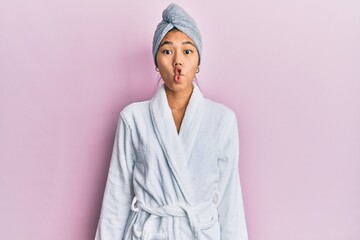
[174,169]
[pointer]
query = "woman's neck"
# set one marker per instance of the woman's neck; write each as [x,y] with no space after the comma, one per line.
[178,100]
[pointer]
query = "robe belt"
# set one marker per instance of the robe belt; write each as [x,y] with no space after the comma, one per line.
[183,211]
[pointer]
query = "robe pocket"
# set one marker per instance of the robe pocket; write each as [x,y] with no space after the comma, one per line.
[140,235]
[208,218]
[212,233]
[209,224]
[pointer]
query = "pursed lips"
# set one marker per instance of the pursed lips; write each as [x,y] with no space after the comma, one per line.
[177,74]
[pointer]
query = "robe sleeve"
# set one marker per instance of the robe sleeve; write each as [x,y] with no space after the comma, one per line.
[231,209]
[119,191]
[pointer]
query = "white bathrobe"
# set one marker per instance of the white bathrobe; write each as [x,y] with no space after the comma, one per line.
[178,186]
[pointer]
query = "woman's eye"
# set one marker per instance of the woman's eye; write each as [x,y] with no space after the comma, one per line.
[167,52]
[188,51]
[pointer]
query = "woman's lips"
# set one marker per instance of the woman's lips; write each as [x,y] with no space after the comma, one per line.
[177,75]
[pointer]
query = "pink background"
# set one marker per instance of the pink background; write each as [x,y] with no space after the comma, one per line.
[289,69]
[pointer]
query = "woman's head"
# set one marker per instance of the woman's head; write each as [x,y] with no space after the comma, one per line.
[177,48]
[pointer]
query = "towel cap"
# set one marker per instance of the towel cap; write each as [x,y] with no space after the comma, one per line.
[176,17]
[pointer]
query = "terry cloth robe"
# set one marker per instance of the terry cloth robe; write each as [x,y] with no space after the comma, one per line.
[168,185]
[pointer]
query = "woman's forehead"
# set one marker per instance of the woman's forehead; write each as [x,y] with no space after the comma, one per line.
[176,35]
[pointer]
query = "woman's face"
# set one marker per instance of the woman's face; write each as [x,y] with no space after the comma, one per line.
[177,60]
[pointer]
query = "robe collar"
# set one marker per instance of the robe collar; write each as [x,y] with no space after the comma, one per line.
[178,147]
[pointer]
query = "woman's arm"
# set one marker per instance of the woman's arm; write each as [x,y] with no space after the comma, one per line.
[119,190]
[231,209]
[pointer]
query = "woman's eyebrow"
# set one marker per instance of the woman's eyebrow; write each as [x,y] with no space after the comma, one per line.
[170,43]
[166,42]
[188,42]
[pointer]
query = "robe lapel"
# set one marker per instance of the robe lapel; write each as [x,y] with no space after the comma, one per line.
[177,147]
[192,121]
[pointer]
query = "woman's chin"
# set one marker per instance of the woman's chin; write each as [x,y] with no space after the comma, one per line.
[178,86]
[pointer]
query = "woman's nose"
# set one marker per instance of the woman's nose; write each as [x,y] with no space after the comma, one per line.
[177,60]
